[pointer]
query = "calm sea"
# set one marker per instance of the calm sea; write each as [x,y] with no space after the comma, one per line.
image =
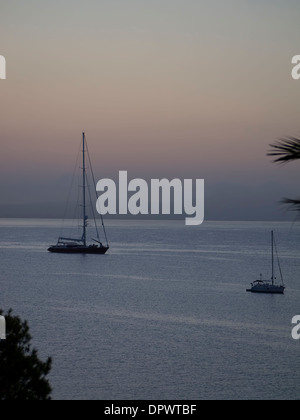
[164,315]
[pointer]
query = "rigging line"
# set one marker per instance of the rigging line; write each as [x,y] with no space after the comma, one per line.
[69,193]
[95,189]
[75,213]
[92,207]
[77,216]
[281,275]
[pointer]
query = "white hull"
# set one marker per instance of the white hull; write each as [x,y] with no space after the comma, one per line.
[267,288]
[263,286]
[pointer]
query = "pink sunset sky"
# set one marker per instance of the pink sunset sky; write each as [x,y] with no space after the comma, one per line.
[162,88]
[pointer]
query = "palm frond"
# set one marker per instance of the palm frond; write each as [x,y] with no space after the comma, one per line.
[294,205]
[285,150]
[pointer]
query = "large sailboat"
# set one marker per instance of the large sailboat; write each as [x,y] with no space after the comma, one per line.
[265,286]
[80,244]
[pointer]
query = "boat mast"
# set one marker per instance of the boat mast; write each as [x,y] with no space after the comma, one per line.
[84,192]
[272,257]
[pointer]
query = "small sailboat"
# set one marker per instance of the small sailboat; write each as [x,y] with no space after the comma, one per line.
[80,245]
[265,286]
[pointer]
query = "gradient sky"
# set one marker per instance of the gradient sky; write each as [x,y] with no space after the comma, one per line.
[175,88]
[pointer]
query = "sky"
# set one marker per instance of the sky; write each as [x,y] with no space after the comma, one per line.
[162,88]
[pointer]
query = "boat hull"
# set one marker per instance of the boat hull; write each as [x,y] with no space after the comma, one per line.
[269,291]
[79,250]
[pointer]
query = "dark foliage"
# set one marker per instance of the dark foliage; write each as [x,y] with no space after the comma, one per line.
[285,150]
[22,374]
[294,205]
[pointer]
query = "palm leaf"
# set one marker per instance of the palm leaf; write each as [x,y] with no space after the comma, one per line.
[294,205]
[285,150]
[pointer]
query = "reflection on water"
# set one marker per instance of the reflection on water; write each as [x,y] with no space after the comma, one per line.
[164,315]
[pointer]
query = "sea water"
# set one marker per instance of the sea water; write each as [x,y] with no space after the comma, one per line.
[164,315]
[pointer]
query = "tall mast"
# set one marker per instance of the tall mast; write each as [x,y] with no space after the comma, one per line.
[84,192]
[272,257]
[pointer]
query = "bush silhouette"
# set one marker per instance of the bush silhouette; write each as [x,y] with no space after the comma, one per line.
[22,374]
